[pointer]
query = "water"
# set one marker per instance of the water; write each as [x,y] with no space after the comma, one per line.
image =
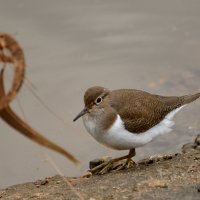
[72,45]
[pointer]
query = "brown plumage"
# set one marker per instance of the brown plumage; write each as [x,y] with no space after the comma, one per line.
[118,118]
[145,110]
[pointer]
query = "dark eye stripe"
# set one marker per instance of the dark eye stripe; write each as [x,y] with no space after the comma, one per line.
[104,95]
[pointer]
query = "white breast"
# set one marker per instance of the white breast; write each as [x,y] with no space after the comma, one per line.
[118,137]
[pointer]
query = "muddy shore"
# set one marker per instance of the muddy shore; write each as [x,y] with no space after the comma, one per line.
[166,177]
[72,45]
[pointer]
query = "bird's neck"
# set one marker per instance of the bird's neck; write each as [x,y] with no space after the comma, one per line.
[101,121]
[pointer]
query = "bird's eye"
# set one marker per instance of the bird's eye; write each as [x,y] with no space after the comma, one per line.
[98,100]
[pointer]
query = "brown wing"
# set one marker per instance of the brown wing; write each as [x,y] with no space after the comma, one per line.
[144,110]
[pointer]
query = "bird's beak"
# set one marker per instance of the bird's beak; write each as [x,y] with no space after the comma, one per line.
[83,112]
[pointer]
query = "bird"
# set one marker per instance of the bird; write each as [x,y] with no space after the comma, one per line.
[125,119]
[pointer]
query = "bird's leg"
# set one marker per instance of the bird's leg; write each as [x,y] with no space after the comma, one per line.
[114,164]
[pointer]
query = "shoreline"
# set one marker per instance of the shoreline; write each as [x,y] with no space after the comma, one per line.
[174,176]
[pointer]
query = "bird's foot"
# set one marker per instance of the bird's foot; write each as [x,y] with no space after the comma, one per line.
[105,165]
[123,164]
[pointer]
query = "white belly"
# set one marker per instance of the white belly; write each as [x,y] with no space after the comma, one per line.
[118,137]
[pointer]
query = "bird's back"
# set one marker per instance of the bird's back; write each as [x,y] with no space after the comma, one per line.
[145,109]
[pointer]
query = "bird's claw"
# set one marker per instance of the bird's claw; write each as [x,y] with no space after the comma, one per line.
[111,165]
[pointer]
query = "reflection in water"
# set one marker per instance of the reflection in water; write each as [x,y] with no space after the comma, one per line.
[70,46]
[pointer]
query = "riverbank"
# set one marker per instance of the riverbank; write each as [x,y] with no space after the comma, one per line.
[167,177]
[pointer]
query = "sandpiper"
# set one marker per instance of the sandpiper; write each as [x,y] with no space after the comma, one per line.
[125,119]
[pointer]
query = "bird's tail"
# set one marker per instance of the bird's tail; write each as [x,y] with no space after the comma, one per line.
[189,98]
[174,102]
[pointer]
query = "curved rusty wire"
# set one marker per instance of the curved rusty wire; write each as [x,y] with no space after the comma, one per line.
[10,46]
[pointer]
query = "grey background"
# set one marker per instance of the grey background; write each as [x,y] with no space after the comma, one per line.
[72,45]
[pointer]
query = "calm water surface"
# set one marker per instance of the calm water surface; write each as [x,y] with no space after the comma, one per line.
[72,45]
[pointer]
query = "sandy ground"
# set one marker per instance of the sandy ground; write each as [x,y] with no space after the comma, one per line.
[168,177]
[72,45]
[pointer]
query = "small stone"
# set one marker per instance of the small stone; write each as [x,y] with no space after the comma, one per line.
[156,183]
[44,182]
[166,157]
[103,187]
[188,147]
[163,186]
[150,161]
[41,182]
[198,188]
[146,161]
[1,194]
[87,175]
[57,182]
[197,140]
[135,189]
[197,147]
[197,157]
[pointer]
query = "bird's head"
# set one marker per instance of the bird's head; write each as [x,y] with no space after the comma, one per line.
[94,100]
